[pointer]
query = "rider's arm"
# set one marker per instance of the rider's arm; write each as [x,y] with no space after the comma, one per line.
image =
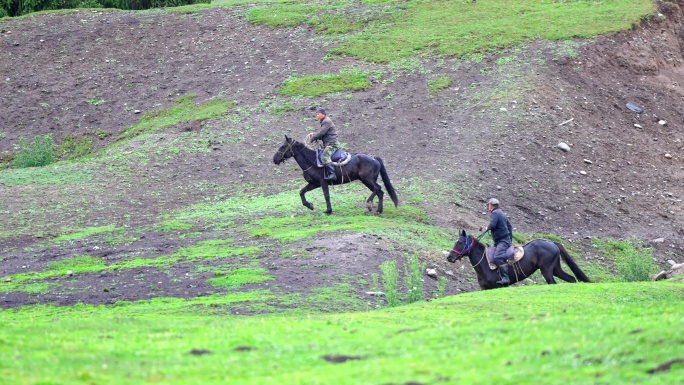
[325,126]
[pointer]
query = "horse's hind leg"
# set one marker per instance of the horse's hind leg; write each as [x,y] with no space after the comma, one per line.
[376,191]
[547,271]
[558,272]
[302,194]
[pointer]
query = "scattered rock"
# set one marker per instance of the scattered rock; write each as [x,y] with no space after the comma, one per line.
[634,108]
[69,273]
[431,273]
[658,240]
[375,293]
[675,270]
[668,156]
[637,125]
[564,146]
[587,161]
[662,122]
[583,172]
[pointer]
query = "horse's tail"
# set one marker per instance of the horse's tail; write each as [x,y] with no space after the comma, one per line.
[570,262]
[387,183]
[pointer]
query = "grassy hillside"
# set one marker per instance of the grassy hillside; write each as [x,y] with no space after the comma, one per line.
[579,334]
[166,247]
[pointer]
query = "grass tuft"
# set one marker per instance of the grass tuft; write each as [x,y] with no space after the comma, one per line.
[317,85]
[185,110]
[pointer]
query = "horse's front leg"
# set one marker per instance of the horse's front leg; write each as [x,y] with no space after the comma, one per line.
[326,194]
[303,192]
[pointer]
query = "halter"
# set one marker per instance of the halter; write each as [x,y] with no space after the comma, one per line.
[466,248]
[290,147]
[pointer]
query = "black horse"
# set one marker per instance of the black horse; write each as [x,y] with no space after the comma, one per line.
[539,254]
[361,167]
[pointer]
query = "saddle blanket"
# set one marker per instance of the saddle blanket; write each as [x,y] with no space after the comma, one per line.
[513,255]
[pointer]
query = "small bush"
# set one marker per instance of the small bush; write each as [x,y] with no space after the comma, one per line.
[633,261]
[389,282]
[441,287]
[39,153]
[413,278]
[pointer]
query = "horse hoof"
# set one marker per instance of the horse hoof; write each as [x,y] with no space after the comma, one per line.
[369,206]
[309,206]
[328,212]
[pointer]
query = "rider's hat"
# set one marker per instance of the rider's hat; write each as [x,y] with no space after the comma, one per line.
[493,202]
[321,110]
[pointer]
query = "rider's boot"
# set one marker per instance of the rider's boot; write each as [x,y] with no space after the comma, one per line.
[503,269]
[330,172]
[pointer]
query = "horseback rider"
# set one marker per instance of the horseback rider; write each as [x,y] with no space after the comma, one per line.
[328,134]
[502,234]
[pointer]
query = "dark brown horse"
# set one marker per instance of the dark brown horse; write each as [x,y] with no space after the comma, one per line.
[361,167]
[540,254]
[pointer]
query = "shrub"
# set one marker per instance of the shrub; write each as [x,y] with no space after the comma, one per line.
[413,278]
[389,282]
[38,153]
[633,261]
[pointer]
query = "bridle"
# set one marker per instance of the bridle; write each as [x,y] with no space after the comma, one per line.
[466,248]
[290,148]
[469,244]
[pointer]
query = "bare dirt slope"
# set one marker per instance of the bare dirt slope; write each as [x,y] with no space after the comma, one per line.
[495,131]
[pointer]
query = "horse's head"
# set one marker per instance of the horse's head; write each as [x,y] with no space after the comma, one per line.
[285,151]
[461,247]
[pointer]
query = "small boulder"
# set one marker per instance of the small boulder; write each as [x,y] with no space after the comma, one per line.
[564,146]
[431,273]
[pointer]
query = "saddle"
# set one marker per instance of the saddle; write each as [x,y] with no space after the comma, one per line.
[339,158]
[513,255]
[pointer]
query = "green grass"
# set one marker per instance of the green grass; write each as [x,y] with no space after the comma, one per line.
[240,277]
[201,251]
[25,282]
[74,235]
[56,174]
[282,15]
[463,28]
[185,110]
[317,85]
[579,334]
[438,84]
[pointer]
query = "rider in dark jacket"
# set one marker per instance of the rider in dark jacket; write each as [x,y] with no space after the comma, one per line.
[328,134]
[502,234]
